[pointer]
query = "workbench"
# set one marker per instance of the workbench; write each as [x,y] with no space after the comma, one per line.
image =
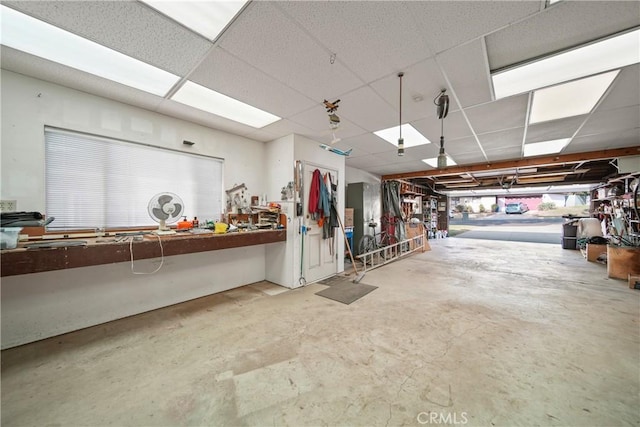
[105,250]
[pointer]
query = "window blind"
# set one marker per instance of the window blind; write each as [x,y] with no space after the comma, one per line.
[95,182]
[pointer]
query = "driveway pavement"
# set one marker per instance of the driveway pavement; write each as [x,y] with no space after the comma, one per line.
[515,228]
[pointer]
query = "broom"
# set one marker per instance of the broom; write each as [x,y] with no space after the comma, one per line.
[353,261]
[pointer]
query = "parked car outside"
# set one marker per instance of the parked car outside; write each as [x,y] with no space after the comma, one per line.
[516,208]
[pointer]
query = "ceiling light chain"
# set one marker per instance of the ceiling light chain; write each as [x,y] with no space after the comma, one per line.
[400,140]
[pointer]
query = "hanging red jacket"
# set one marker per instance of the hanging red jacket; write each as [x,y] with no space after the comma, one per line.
[314,194]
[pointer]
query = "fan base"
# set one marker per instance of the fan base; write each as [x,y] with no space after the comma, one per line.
[163,232]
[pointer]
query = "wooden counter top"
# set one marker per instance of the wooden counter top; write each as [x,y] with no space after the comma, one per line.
[24,261]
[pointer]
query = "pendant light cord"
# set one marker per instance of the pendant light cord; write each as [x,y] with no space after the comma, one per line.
[400,118]
[442,133]
[400,140]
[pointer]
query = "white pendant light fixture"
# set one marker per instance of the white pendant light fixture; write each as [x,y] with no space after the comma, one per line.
[400,140]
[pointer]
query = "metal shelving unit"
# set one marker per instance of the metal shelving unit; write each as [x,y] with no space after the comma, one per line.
[618,203]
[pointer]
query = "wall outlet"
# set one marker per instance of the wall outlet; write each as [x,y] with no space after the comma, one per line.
[8,205]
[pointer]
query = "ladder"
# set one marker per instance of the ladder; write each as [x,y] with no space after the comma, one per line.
[386,254]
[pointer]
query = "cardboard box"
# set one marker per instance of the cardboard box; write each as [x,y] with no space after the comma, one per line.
[622,261]
[348,217]
[594,251]
[634,281]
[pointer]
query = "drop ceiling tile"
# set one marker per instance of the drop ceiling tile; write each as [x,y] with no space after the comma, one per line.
[625,91]
[389,158]
[367,109]
[185,112]
[279,129]
[262,136]
[612,121]
[620,139]
[418,165]
[455,127]
[365,162]
[273,43]
[230,76]
[373,39]
[347,129]
[468,158]
[503,114]
[507,153]
[422,152]
[316,119]
[502,139]
[422,81]
[589,143]
[555,129]
[561,26]
[126,26]
[462,146]
[392,168]
[33,66]
[444,24]
[467,70]
[369,143]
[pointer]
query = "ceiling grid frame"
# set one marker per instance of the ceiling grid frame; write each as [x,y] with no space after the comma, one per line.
[425,69]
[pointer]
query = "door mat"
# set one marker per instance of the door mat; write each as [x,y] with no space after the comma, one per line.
[346,292]
[334,280]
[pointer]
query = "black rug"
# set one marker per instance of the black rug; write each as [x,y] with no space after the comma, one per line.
[346,292]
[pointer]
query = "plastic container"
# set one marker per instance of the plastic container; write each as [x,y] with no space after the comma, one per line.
[9,237]
[569,232]
[184,224]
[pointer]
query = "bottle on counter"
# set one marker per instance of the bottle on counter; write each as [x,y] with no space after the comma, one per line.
[196,223]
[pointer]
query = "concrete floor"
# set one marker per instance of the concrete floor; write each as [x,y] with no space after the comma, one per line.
[491,333]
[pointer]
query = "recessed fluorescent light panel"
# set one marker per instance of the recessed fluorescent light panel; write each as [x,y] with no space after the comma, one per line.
[27,34]
[569,99]
[433,162]
[546,147]
[612,53]
[207,18]
[410,135]
[208,100]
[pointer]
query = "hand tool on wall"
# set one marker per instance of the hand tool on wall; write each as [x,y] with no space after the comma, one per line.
[303,230]
[299,184]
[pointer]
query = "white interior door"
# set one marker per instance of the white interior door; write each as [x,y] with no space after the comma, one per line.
[320,257]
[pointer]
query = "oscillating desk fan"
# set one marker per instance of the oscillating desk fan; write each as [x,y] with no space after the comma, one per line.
[165,208]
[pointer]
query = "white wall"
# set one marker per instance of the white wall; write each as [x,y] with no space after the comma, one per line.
[29,104]
[283,264]
[39,305]
[280,163]
[354,175]
[280,258]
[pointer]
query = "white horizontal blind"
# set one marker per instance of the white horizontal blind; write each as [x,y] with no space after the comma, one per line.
[99,182]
